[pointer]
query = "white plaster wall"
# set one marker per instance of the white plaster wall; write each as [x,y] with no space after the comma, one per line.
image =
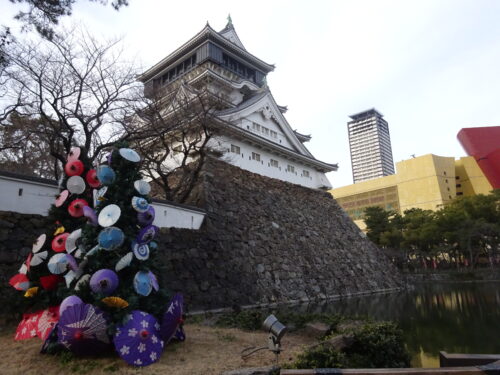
[244,160]
[169,216]
[26,197]
[36,198]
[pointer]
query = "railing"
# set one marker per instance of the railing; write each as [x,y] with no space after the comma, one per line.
[451,364]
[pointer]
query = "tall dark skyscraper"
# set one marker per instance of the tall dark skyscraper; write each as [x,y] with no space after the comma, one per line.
[370,145]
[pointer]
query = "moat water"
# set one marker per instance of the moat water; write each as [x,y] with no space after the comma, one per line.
[452,317]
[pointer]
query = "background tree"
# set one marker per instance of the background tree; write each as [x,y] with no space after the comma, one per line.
[173,132]
[74,88]
[43,15]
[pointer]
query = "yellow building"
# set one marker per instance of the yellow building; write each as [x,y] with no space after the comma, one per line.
[427,182]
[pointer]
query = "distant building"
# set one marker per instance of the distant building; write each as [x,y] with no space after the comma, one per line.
[370,145]
[427,182]
[483,144]
[254,133]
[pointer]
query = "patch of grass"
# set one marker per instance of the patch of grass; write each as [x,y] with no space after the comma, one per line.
[251,320]
[65,357]
[195,319]
[228,337]
[111,368]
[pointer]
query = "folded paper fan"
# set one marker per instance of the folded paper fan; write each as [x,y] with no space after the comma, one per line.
[72,239]
[124,262]
[117,302]
[38,258]
[60,229]
[39,242]
[146,234]
[31,292]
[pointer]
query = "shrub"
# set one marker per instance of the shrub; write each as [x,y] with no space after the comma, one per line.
[378,344]
[319,357]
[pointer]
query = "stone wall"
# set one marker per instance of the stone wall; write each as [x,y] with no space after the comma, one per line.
[17,233]
[263,241]
[268,241]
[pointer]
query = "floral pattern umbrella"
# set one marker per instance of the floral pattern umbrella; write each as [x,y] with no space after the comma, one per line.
[27,327]
[47,320]
[138,341]
[172,319]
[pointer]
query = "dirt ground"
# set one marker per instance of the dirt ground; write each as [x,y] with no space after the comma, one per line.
[207,350]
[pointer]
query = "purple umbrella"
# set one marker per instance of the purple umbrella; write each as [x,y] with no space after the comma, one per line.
[147,217]
[82,329]
[172,318]
[138,341]
[147,234]
[179,334]
[90,214]
[104,281]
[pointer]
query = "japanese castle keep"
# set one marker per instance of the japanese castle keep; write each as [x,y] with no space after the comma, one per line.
[258,137]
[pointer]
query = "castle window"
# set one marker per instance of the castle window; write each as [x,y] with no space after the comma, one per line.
[255,156]
[265,130]
[305,173]
[274,163]
[274,134]
[256,127]
[237,67]
[235,149]
[290,168]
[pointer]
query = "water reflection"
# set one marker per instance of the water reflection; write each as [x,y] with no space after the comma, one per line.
[456,318]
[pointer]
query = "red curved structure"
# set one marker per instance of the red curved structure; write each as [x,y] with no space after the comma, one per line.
[484,145]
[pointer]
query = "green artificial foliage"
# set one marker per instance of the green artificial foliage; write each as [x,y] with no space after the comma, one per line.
[59,218]
[120,193]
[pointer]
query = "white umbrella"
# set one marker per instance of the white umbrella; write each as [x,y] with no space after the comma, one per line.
[75,185]
[109,215]
[39,242]
[124,262]
[72,239]
[38,258]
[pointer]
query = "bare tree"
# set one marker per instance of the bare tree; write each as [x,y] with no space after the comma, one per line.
[173,133]
[75,87]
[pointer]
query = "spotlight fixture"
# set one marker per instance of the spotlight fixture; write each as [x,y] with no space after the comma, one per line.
[276,331]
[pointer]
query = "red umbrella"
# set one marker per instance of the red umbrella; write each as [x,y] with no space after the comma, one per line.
[59,243]
[74,168]
[20,282]
[50,282]
[75,208]
[27,327]
[47,320]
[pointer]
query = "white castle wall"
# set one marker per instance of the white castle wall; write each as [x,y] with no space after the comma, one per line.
[31,197]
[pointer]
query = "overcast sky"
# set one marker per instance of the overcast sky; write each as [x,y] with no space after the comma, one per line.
[430,67]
